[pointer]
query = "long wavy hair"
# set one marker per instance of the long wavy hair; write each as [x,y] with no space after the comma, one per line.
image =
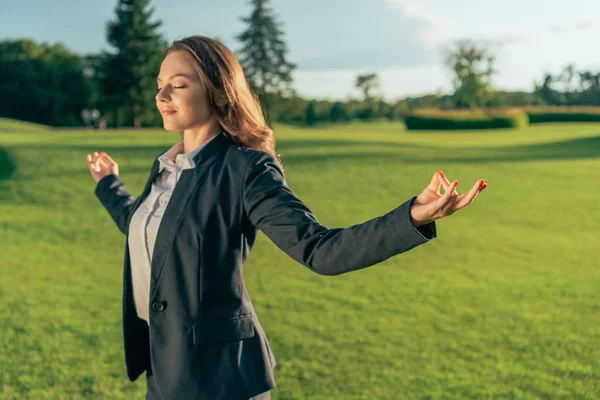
[236,106]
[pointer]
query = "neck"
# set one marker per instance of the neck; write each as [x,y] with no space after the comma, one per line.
[194,137]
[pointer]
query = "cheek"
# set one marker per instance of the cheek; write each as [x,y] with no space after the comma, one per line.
[197,106]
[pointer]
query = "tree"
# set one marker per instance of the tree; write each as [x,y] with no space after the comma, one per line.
[567,78]
[42,83]
[264,54]
[590,87]
[473,68]
[311,113]
[547,93]
[339,112]
[128,77]
[367,82]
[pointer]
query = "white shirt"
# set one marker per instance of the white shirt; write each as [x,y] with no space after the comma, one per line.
[144,223]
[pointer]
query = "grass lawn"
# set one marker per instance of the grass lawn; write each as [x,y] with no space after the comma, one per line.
[504,304]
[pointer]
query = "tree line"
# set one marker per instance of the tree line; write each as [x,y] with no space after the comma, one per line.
[49,84]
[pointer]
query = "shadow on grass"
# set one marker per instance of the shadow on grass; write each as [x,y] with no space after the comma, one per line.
[580,148]
[7,165]
[292,145]
[282,145]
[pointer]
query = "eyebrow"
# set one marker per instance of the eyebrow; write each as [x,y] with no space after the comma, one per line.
[173,76]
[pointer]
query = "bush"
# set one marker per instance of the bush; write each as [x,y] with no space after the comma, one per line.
[539,115]
[465,119]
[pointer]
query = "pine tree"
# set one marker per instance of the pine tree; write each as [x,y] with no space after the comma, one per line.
[129,75]
[263,53]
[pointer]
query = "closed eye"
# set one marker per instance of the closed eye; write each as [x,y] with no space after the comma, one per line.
[174,87]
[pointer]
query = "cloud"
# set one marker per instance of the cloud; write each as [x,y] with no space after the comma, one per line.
[579,26]
[501,41]
[369,35]
[437,28]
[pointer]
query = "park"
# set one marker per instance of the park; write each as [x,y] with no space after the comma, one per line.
[503,304]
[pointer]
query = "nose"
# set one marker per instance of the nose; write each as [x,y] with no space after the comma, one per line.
[162,96]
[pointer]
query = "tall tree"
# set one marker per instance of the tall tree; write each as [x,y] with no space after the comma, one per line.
[547,93]
[42,83]
[128,76]
[567,78]
[473,67]
[264,54]
[367,82]
[590,87]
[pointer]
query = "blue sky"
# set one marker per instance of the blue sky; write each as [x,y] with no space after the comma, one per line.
[332,41]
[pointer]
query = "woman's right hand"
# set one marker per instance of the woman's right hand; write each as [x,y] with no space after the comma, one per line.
[101,165]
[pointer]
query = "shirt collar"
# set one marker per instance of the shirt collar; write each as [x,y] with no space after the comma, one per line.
[176,156]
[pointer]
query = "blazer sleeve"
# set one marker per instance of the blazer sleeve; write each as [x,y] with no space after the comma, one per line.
[273,208]
[115,197]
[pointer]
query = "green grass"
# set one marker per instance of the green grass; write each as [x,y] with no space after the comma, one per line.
[504,304]
[8,124]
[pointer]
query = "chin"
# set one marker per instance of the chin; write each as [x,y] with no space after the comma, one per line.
[170,127]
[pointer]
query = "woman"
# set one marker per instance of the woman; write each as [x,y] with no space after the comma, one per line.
[187,318]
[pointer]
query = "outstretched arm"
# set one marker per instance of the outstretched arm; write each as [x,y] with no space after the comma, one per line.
[273,208]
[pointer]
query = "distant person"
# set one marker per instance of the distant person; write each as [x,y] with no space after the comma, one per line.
[86,116]
[188,320]
[94,116]
[102,123]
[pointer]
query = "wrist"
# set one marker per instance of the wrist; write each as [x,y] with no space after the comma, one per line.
[415,219]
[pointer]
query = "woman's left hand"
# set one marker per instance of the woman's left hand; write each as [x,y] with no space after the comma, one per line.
[431,204]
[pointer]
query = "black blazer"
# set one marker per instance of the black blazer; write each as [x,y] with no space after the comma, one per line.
[204,340]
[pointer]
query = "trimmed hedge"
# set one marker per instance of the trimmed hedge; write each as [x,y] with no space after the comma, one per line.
[462,120]
[563,114]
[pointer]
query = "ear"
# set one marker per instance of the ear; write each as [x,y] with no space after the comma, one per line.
[220,100]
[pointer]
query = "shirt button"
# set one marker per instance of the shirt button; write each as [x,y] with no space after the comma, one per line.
[158,306]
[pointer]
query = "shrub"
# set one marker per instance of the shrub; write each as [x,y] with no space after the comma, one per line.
[563,114]
[426,119]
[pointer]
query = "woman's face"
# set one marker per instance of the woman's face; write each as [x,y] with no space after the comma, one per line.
[181,99]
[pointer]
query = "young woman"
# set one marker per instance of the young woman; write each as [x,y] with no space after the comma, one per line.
[188,320]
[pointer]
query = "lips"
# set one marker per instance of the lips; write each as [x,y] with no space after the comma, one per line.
[167,111]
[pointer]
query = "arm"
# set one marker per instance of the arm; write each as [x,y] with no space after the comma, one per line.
[272,207]
[115,197]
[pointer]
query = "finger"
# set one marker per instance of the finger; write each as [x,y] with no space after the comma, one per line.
[98,161]
[107,157]
[102,164]
[90,164]
[467,198]
[445,182]
[448,197]
[434,185]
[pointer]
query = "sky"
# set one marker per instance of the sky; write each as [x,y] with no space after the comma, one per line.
[332,41]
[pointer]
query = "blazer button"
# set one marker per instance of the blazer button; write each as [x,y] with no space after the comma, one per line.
[158,306]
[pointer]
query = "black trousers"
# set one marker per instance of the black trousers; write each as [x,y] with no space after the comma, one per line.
[152,392]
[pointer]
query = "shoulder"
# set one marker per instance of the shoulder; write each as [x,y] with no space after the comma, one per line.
[243,160]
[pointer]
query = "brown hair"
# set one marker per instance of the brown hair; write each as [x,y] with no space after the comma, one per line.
[236,106]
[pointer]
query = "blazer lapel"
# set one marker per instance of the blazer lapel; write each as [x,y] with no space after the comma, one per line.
[189,180]
[140,199]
